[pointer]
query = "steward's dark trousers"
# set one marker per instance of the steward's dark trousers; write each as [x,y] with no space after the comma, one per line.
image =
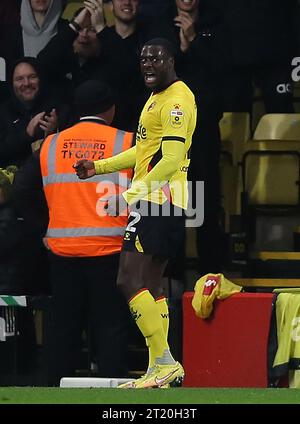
[85,297]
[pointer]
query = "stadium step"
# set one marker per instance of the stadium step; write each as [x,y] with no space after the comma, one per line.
[266,283]
[271,264]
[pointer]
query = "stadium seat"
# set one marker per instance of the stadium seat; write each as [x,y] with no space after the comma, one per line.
[108,13]
[276,264]
[271,165]
[70,9]
[271,282]
[278,126]
[258,107]
[235,132]
[270,176]
[270,173]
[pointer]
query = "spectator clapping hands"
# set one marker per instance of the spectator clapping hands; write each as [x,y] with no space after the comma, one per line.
[42,121]
[48,122]
[95,7]
[187,33]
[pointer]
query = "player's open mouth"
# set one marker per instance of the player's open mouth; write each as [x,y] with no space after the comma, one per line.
[149,77]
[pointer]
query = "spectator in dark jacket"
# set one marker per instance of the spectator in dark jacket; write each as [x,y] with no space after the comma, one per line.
[89,49]
[74,54]
[121,44]
[39,22]
[149,8]
[33,110]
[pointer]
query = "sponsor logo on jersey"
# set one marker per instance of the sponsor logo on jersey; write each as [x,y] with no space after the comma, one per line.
[176,117]
[141,133]
[177,113]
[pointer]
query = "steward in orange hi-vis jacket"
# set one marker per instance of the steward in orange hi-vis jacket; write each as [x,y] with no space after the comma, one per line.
[78,225]
[85,242]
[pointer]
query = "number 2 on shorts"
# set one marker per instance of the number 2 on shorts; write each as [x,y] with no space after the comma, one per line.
[130,227]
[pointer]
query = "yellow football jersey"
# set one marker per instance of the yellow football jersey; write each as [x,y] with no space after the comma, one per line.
[169,115]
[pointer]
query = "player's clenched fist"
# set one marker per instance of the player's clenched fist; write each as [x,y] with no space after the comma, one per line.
[84,168]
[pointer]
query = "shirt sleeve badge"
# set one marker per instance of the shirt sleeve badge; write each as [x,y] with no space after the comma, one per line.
[177,116]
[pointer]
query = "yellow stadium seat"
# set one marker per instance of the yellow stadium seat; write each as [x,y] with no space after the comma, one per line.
[271,161]
[278,126]
[271,173]
[70,9]
[108,14]
[258,108]
[235,131]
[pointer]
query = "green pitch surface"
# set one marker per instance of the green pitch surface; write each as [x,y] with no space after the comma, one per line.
[39,395]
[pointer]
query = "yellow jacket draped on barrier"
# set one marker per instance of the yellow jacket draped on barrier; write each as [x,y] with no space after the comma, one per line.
[209,287]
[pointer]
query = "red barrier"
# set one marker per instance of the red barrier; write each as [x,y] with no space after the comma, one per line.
[229,349]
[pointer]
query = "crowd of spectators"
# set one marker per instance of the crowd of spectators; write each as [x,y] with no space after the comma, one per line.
[223,50]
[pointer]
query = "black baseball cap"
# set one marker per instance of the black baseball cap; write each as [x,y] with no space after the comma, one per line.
[93,97]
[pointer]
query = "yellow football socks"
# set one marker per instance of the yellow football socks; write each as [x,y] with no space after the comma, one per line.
[145,312]
[163,309]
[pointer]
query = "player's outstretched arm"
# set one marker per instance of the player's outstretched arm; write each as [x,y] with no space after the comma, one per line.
[123,160]
[87,168]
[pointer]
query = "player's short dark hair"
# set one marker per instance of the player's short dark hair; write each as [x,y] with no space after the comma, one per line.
[163,42]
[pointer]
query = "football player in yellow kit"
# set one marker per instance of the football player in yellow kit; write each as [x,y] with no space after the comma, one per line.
[160,159]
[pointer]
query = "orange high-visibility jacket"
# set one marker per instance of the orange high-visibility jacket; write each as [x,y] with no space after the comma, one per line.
[78,224]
